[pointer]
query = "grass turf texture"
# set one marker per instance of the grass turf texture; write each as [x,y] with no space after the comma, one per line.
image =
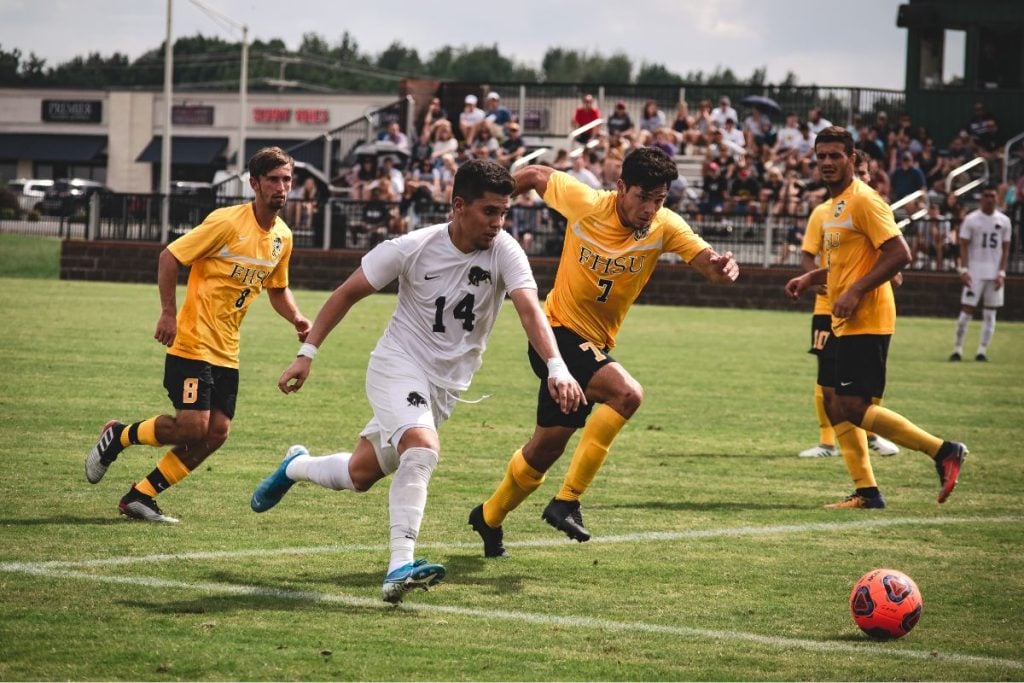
[749,581]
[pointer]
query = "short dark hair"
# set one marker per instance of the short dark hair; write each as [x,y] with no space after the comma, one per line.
[267,159]
[479,176]
[835,134]
[648,167]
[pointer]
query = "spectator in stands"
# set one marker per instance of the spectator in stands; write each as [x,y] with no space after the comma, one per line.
[619,121]
[307,204]
[446,176]
[789,135]
[678,195]
[744,191]
[771,191]
[512,147]
[712,200]
[442,142]
[388,168]
[791,194]
[470,118]
[651,120]
[580,172]
[723,112]
[906,178]
[562,161]
[665,140]
[731,135]
[496,117]
[484,146]
[879,178]
[393,134]
[614,142]
[976,124]
[423,183]
[882,129]
[361,175]
[868,143]
[685,128]
[611,168]
[764,139]
[431,115]
[524,220]
[926,239]
[586,113]
[704,123]
[816,122]
[854,128]
[752,125]
[803,152]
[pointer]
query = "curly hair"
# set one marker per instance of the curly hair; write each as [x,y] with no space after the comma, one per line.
[648,167]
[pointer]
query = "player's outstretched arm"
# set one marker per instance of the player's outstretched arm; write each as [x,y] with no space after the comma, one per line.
[716,267]
[355,288]
[562,386]
[532,178]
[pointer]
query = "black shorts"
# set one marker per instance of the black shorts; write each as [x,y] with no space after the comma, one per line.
[198,385]
[583,360]
[823,345]
[860,365]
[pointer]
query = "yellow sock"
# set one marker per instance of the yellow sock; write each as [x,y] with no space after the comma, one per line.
[827,435]
[894,426]
[140,433]
[598,433]
[519,482]
[853,442]
[169,471]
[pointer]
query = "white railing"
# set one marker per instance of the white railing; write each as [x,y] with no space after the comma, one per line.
[1006,155]
[964,168]
[593,142]
[523,161]
[903,201]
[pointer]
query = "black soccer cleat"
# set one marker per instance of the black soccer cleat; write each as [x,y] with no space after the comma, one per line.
[137,505]
[947,463]
[955,357]
[492,538]
[565,516]
[981,358]
[104,452]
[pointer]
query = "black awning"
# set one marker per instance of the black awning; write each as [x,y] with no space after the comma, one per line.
[45,147]
[186,150]
[307,151]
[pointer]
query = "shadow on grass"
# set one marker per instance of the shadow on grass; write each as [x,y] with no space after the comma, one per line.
[57,520]
[697,506]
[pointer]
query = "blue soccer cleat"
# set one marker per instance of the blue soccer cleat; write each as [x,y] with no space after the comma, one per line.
[418,574]
[272,489]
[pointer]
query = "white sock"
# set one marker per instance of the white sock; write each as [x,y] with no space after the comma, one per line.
[407,499]
[961,332]
[988,328]
[329,471]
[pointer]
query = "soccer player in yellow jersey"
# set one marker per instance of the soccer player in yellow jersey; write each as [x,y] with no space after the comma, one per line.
[822,340]
[612,244]
[863,251]
[235,253]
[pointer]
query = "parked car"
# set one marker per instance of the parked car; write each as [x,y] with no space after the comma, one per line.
[69,196]
[29,191]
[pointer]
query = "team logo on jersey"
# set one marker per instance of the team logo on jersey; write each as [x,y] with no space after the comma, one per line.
[478,275]
[641,233]
[415,399]
[839,208]
[275,251]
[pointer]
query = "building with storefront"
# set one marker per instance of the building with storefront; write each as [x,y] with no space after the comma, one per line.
[114,136]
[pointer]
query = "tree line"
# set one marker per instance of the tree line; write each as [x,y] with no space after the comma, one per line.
[205,62]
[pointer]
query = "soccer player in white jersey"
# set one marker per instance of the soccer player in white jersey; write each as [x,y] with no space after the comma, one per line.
[984,253]
[452,279]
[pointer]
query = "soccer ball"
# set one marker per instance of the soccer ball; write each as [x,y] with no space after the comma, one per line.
[886,604]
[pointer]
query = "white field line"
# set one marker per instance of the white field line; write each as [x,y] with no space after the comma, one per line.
[661,536]
[773,642]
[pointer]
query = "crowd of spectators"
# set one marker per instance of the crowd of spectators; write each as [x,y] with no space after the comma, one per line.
[753,168]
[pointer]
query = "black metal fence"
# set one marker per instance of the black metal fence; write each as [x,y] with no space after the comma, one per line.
[756,240]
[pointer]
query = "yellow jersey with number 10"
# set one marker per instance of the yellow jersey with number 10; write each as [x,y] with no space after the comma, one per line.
[232,260]
[857,225]
[604,264]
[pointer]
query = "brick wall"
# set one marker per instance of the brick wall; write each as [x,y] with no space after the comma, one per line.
[928,294]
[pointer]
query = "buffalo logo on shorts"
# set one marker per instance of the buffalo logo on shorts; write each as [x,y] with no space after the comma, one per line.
[839,208]
[275,250]
[415,399]
[478,275]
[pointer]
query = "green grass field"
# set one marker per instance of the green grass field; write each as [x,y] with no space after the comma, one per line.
[712,558]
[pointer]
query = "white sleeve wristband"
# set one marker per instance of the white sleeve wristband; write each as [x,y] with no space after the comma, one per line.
[558,370]
[307,350]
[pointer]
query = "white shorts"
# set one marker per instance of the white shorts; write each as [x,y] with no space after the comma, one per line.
[983,291]
[401,397]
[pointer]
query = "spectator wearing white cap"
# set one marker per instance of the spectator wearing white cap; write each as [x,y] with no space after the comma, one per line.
[496,116]
[469,118]
[723,112]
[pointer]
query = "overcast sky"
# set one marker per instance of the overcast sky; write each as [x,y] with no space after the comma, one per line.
[825,42]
